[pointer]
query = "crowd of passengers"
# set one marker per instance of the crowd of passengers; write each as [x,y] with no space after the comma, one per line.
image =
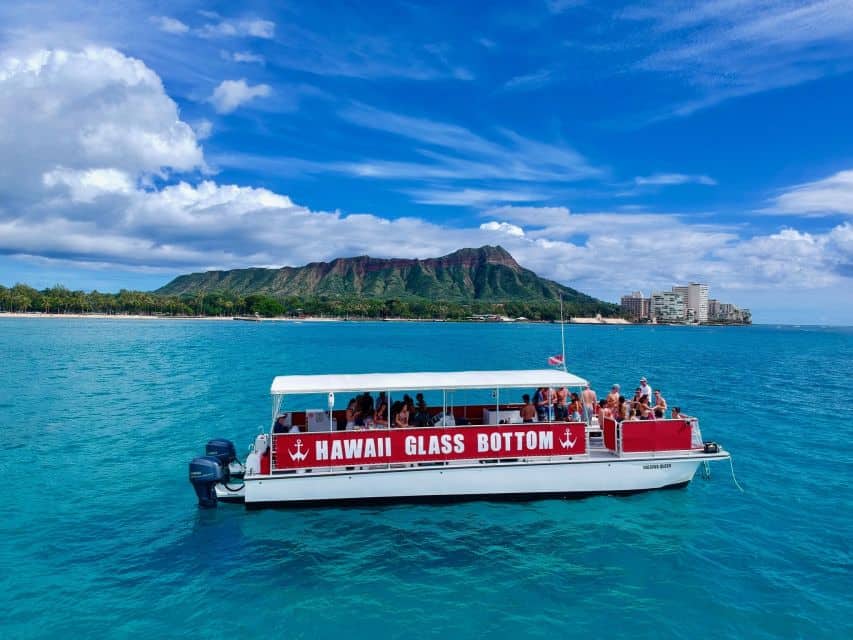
[546,404]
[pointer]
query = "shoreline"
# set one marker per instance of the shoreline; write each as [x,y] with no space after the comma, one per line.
[604,322]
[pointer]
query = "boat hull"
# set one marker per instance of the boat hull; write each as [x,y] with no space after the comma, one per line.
[492,481]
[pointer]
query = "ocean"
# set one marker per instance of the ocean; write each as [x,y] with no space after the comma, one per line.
[101,536]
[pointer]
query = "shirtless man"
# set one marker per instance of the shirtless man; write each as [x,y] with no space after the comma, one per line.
[613,399]
[660,405]
[528,411]
[560,401]
[589,400]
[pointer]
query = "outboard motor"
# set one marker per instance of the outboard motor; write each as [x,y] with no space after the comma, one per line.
[205,473]
[224,451]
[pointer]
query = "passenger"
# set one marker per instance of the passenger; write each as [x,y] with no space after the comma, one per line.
[660,405]
[402,419]
[560,400]
[588,400]
[410,405]
[625,411]
[540,400]
[365,410]
[638,393]
[352,414]
[528,411]
[614,400]
[646,389]
[421,417]
[603,410]
[380,416]
[280,425]
[644,411]
[575,408]
[677,415]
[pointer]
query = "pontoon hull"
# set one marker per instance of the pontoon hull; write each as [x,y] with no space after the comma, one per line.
[451,483]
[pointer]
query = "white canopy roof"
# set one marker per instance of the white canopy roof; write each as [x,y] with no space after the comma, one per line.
[424,381]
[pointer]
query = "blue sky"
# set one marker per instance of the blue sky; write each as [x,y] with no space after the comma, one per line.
[608,146]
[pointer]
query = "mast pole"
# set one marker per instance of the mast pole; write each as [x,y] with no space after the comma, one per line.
[562,333]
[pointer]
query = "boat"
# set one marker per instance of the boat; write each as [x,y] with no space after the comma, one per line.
[478,448]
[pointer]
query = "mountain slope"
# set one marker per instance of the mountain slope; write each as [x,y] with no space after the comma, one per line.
[487,274]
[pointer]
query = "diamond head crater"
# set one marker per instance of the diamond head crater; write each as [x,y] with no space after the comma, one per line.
[480,283]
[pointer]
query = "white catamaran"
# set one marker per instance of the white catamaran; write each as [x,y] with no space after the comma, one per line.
[453,451]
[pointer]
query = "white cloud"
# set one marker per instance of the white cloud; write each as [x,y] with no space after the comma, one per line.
[230,94]
[239,28]
[668,179]
[503,227]
[94,109]
[832,195]
[247,56]
[85,186]
[530,81]
[472,197]
[732,48]
[457,153]
[169,25]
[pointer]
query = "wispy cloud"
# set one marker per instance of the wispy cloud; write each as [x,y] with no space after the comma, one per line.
[468,197]
[256,28]
[461,154]
[169,25]
[243,56]
[669,179]
[732,48]
[530,81]
[829,196]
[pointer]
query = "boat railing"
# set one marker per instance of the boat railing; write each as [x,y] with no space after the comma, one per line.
[650,436]
[370,449]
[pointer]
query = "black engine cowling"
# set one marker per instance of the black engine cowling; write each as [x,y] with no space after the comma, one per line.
[205,473]
[222,449]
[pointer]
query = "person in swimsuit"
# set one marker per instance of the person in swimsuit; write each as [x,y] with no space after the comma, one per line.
[614,400]
[560,399]
[402,419]
[528,411]
[380,418]
[575,408]
[589,400]
[660,405]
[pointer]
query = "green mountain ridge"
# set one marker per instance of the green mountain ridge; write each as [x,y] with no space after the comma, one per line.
[487,274]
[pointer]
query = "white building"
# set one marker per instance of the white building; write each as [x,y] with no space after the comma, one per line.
[667,306]
[695,297]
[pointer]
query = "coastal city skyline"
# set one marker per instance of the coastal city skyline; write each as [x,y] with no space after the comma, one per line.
[610,147]
[688,303]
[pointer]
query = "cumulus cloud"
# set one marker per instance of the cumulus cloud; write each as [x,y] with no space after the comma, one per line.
[230,94]
[169,25]
[503,227]
[94,109]
[832,195]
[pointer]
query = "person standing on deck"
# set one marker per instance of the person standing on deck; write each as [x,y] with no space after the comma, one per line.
[646,389]
[613,399]
[589,400]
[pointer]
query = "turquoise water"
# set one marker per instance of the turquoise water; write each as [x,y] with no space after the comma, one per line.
[101,535]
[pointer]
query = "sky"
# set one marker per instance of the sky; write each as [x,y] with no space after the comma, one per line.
[611,147]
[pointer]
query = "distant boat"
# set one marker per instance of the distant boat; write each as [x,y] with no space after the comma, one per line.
[254,318]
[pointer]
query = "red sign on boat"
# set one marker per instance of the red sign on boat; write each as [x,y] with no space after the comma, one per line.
[432,444]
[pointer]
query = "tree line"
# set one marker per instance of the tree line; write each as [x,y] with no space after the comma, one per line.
[59,299]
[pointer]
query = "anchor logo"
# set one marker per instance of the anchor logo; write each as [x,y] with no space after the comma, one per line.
[300,455]
[568,443]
